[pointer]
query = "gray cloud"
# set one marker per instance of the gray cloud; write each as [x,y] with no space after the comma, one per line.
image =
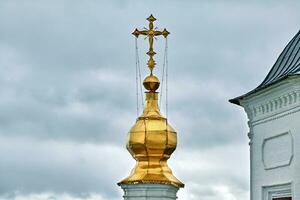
[67,93]
[31,166]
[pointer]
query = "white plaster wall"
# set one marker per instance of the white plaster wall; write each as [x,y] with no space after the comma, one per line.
[281,175]
[149,192]
[273,111]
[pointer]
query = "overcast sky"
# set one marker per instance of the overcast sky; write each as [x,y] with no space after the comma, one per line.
[67,92]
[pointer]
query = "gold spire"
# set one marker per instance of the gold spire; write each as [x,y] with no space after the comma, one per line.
[151,34]
[151,140]
[151,82]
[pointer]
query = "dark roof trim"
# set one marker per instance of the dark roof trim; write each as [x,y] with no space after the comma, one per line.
[237,99]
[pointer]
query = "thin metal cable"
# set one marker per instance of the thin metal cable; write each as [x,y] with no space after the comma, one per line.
[167,68]
[163,75]
[136,79]
[139,73]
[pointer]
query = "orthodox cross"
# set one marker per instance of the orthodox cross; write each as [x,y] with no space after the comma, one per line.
[151,34]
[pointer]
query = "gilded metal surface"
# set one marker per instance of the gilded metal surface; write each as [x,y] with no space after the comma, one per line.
[151,140]
[151,83]
[151,34]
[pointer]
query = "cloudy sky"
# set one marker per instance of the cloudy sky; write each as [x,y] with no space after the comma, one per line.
[67,92]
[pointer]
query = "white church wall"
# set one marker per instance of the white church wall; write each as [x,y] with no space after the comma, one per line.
[143,191]
[275,167]
[274,122]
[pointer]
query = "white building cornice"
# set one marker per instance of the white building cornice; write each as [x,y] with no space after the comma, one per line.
[277,100]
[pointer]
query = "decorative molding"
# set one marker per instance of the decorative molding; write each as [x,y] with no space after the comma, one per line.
[250,133]
[149,191]
[274,105]
[272,118]
[268,165]
[277,191]
[273,100]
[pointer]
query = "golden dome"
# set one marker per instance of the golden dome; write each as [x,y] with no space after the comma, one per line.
[151,141]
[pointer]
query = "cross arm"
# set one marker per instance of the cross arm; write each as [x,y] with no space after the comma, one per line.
[165,33]
[137,32]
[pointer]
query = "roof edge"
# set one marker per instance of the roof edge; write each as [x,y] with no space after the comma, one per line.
[236,100]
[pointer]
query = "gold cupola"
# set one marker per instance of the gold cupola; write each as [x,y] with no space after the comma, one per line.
[151,140]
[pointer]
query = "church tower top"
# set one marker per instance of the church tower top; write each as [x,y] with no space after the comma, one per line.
[151,140]
[151,82]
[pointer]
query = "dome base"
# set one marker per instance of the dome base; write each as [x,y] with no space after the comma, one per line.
[149,191]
